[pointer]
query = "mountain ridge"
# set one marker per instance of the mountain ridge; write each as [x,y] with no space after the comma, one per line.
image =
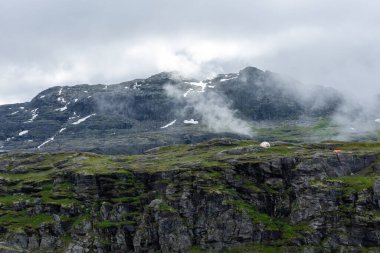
[62,116]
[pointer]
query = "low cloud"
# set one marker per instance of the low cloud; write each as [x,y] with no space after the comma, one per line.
[215,111]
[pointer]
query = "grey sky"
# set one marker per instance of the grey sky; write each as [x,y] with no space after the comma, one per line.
[54,42]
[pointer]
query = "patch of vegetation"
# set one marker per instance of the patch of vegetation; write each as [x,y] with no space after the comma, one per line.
[256,216]
[9,200]
[323,129]
[111,224]
[288,231]
[355,183]
[80,219]
[164,207]
[133,200]
[15,220]
[48,197]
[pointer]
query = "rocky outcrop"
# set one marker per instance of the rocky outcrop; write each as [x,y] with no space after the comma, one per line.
[206,197]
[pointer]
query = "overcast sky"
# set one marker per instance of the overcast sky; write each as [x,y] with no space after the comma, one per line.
[45,43]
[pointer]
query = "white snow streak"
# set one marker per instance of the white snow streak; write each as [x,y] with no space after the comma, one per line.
[23,132]
[227,79]
[46,142]
[62,109]
[187,92]
[34,115]
[168,125]
[83,119]
[191,121]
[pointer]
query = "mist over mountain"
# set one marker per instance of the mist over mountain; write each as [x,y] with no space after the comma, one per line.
[163,109]
[189,126]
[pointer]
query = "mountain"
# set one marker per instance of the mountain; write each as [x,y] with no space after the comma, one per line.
[136,192]
[163,109]
[217,195]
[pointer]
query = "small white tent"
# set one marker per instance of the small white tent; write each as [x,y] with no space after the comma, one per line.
[265,144]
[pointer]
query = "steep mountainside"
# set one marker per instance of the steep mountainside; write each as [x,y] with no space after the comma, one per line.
[163,109]
[220,194]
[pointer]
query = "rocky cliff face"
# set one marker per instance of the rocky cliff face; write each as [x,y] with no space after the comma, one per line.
[137,115]
[217,195]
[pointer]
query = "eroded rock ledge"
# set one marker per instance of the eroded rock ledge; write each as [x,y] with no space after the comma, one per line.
[214,196]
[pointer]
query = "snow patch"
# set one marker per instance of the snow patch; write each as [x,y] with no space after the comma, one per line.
[61,109]
[13,113]
[227,79]
[168,125]
[83,119]
[60,92]
[43,96]
[199,84]
[75,100]
[191,121]
[75,116]
[62,129]
[34,115]
[136,86]
[187,92]
[46,142]
[61,100]
[23,132]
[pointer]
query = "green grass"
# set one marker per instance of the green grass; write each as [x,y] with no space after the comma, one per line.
[16,220]
[47,196]
[320,130]
[9,200]
[164,207]
[111,224]
[353,146]
[358,183]
[80,219]
[134,200]
[289,232]
[355,183]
